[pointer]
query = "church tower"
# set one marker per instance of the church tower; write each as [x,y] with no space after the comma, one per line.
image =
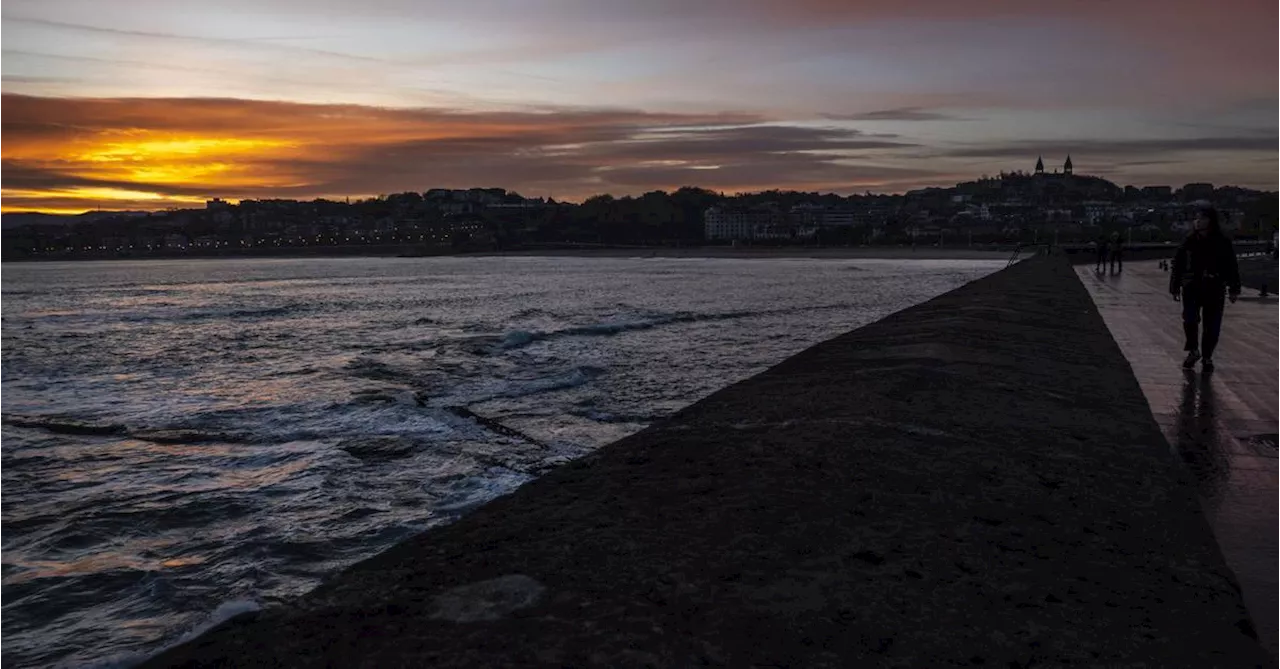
[1039,165]
[1066,167]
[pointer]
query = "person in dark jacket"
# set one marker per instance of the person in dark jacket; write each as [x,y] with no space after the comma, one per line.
[1203,269]
[1115,252]
[1100,248]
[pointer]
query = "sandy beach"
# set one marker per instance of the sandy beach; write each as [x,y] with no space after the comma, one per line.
[835,253]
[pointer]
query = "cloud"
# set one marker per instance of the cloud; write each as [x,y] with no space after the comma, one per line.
[862,60]
[1117,148]
[702,144]
[899,114]
[181,150]
[158,152]
[234,42]
[784,172]
[26,79]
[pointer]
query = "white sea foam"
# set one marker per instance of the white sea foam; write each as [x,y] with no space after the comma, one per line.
[224,612]
[467,494]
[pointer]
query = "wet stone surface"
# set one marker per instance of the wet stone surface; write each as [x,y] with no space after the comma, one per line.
[1221,425]
[975,481]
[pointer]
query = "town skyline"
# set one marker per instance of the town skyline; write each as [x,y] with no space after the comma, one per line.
[143,104]
[1008,209]
[1047,170]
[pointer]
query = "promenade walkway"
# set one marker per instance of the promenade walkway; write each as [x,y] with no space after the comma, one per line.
[1222,425]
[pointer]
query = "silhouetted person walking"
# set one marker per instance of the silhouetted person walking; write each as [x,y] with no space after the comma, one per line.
[1115,252]
[1203,269]
[1100,248]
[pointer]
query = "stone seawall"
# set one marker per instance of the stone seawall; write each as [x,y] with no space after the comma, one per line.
[974,481]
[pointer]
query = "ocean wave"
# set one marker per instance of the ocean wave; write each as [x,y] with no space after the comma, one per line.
[469,493]
[368,412]
[484,343]
[518,338]
[379,447]
[232,314]
[65,425]
[572,378]
[181,436]
[410,345]
[267,312]
[237,609]
[531,312]
[370,368]
[85,427]
[362,416]
[521,338]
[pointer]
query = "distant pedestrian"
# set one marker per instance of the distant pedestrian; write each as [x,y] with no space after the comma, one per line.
[1203,269]
[1100,249]
[1115,252]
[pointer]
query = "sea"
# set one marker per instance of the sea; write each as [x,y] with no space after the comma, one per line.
[185,440]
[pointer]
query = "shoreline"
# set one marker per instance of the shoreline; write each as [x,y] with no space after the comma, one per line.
[707,252]
[714,252]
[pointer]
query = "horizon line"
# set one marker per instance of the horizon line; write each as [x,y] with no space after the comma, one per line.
[356,199]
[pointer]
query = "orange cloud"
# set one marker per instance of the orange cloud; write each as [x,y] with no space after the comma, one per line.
[173,152]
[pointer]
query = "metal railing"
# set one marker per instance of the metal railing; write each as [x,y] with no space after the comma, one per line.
[1017,250]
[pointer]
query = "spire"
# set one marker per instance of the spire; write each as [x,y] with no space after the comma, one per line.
[1066,167]
[1039,165]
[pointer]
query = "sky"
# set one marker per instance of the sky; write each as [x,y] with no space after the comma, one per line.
[148,104]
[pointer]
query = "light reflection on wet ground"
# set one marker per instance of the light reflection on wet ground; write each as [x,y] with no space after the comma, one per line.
[1222,424]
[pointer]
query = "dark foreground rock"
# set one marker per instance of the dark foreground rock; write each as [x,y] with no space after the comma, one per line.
[976,481]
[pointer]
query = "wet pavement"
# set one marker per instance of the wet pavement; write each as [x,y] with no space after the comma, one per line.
[1222,425]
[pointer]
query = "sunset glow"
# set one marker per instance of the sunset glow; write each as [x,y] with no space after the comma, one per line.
[145,104]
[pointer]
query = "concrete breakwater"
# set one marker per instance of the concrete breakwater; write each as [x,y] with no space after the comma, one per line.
[975,481]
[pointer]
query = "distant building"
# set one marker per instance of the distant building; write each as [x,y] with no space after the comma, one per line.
[742,223]
[839,218]
[460,207]
[809,215]
[1197,191]
[1067,167]
[1157,192]
[1096,212]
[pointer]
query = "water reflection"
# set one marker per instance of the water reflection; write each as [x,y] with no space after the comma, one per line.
[1200,443]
